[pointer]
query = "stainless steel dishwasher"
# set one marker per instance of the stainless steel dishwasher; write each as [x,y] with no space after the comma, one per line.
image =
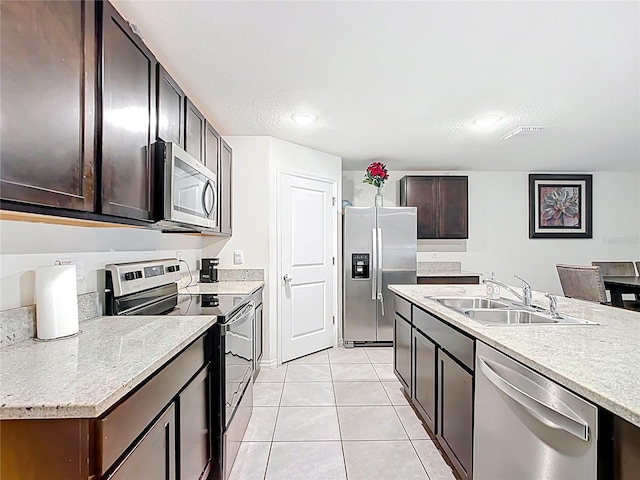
[528,427]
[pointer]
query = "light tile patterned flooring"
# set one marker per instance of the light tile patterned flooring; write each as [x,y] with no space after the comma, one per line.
[336,414]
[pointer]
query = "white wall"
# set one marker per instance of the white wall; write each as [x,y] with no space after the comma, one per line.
[26,245]
[257,162]
[499,229]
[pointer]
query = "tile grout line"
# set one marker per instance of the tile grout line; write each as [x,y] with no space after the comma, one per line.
[335,402]
[275,423]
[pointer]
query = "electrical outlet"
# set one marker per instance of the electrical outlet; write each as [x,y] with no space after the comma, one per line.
[79,267]
[178,255]
[238,257]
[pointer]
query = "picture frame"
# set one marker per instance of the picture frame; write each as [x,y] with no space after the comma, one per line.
[560,206]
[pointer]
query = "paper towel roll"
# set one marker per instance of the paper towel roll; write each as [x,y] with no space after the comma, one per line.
[56,301]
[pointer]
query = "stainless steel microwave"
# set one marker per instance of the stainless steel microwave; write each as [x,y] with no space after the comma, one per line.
[185,193]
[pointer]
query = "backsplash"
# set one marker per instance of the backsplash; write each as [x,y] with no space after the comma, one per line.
[240,274]
[439,266]
[19,324]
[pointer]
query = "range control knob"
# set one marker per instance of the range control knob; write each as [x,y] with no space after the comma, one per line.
[137,274]
[129,276]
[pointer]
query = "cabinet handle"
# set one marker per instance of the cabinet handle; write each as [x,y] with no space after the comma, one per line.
[167,451]
[546,414]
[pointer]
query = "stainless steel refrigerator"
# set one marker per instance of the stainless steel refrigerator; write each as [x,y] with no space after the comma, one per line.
[379,249]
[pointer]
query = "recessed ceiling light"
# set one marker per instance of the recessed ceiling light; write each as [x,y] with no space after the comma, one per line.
[303,118]
[487,121]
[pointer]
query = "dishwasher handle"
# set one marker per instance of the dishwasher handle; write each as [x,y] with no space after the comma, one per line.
[539,409]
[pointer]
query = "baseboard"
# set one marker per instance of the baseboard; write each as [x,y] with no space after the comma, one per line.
[268,364]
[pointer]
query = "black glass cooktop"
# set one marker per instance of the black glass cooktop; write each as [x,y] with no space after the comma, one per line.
[208,304]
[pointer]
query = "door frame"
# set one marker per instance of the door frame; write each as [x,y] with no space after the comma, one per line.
[336,286]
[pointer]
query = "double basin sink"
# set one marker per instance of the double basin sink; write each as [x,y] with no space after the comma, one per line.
[506,312]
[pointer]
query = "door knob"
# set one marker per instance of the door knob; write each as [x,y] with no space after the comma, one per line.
[287,278]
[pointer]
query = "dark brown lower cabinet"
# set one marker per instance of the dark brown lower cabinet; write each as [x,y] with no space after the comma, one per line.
[154,456]
[161,431]
[424,377]
[455,418]
[402,351]
[195,431]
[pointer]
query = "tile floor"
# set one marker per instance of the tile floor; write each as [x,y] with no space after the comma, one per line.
[336,414]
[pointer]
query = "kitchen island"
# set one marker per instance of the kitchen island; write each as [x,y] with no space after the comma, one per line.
[599,361]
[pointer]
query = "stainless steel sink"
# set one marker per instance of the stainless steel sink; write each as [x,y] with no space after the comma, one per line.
[505,312]
[519,317]
[463,303]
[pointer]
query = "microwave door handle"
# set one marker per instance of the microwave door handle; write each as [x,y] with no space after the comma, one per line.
[214,203]
[207,185]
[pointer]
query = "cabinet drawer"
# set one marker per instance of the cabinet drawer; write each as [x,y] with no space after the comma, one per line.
[118,429]
[454,342]
[403,308]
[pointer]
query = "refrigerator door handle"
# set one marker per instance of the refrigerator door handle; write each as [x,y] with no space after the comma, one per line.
[374,262]
[379,268]
[379,264]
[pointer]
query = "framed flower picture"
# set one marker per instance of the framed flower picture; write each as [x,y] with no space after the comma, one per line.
[560,206]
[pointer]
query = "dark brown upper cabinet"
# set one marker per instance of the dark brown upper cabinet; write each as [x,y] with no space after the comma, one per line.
[194,131]
[171,104]
[128,118]
[48,71]
[212,146]
[442,203]
[224,188]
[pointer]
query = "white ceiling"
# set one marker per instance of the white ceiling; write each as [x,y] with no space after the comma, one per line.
[403,82]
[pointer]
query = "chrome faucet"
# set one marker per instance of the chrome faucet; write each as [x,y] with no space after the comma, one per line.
[525,297]
[553,305]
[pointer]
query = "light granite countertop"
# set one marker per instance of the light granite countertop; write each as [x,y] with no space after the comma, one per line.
[83,376]
[246,287]
[600,362]
[446,273]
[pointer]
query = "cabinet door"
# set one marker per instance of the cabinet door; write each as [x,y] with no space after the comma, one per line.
[226,159]
[422,193]
[195,427]
[155,454]
[128,120]
[171,102]
[48,88]
[194,131]
[258,336]
[455,413]
[402,351]
[212,143]
[424,376]
[453,209]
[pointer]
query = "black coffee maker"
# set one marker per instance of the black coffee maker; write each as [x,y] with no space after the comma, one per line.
[209,270]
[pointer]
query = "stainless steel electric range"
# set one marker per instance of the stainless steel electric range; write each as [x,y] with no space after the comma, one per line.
[150,288]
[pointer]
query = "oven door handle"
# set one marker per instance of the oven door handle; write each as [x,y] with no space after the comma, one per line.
[246,312]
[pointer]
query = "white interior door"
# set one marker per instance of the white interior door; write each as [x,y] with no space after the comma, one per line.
[307,221]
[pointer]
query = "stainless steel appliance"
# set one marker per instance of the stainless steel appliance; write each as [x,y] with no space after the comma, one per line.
[186,192]
[528,427]
[209,270]
[379,249]
[150,288]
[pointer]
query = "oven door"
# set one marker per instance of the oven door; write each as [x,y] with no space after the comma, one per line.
[237,340]
[192,198]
